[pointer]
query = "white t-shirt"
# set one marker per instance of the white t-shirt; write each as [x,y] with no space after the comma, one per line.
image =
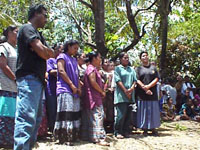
[170,91]
[188,85]
[10,53]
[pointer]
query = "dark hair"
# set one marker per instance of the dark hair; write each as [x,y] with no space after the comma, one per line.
[143,53]
[168,98]
[56,46]
[69,43]
[92,54]
[121,55]
[35,9]
[103,60]
[8,29]
[87,59]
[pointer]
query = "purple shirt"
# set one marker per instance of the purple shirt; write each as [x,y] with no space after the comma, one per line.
[51,81]
[92,97]
[71,68]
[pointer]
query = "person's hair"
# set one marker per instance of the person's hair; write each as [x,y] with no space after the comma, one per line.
[56,46]
[69,43]
[168,98]
[103,60]
[186,76]
[87,59]
[187,89]
[143,53]
[7,30]
[92,55]
[121,55]
[35,9]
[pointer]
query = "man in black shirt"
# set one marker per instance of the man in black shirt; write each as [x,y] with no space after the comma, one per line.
[31,66]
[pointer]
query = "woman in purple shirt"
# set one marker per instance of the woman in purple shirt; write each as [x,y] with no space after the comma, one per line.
[50,92]
[68,91]
[92,102]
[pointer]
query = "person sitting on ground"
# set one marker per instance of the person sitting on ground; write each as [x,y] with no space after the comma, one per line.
[187,111]
[185,97]
[168,113]
[197,96]
[196,110]
[169,91]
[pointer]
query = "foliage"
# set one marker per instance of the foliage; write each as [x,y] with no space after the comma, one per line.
[180,127]
[72,19]
[183,44]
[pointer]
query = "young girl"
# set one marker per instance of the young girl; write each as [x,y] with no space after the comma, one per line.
[169,110]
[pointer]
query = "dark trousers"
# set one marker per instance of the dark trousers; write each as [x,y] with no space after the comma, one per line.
[122,118]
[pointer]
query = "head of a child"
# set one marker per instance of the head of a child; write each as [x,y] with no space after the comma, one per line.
[169,100]
[189,102]
[195,102]
[187,92]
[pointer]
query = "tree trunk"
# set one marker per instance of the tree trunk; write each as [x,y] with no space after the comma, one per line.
[98,10]
[164,12]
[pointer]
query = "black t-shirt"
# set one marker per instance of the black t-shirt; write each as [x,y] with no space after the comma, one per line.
[146,74]
[28,62]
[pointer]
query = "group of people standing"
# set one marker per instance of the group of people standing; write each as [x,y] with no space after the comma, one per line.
[76,95]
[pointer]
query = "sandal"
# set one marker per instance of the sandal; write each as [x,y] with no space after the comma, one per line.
[69,143]
[155,133]
[145,133]
[103,143]
[119,136]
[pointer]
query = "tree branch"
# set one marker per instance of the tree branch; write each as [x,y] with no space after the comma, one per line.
[143,30]
[76,21]
[86,4]
[131,19]
[120,30]
[145,8]
[91,45]
[133,43]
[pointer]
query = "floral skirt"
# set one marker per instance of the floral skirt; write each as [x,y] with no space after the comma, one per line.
[67,123]
[7,118]
[93,129]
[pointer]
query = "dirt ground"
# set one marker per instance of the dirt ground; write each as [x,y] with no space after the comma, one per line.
[181,135]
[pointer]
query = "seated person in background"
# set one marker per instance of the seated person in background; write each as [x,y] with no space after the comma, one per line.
[169,91]
[185,97]
[196,107]
[187,111]
[197,96]
[168,113]
[188,85]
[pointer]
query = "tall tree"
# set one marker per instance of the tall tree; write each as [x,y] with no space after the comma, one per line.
[164,8]
[97,7]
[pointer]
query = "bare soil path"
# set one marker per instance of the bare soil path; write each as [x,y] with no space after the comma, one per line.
[181,135]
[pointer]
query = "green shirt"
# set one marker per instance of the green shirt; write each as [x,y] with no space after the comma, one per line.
[127,76]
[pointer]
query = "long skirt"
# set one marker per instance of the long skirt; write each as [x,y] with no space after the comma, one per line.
[67,123]
[108,105]
[95,119]
[7,117]
[148,114]
[42,131]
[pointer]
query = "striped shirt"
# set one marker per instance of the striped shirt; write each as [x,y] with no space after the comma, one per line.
[10,53]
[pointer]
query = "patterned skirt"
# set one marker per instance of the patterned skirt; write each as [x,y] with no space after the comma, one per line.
[148,114]
[7,118]
[67,123]
[95,118]
[42,131]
